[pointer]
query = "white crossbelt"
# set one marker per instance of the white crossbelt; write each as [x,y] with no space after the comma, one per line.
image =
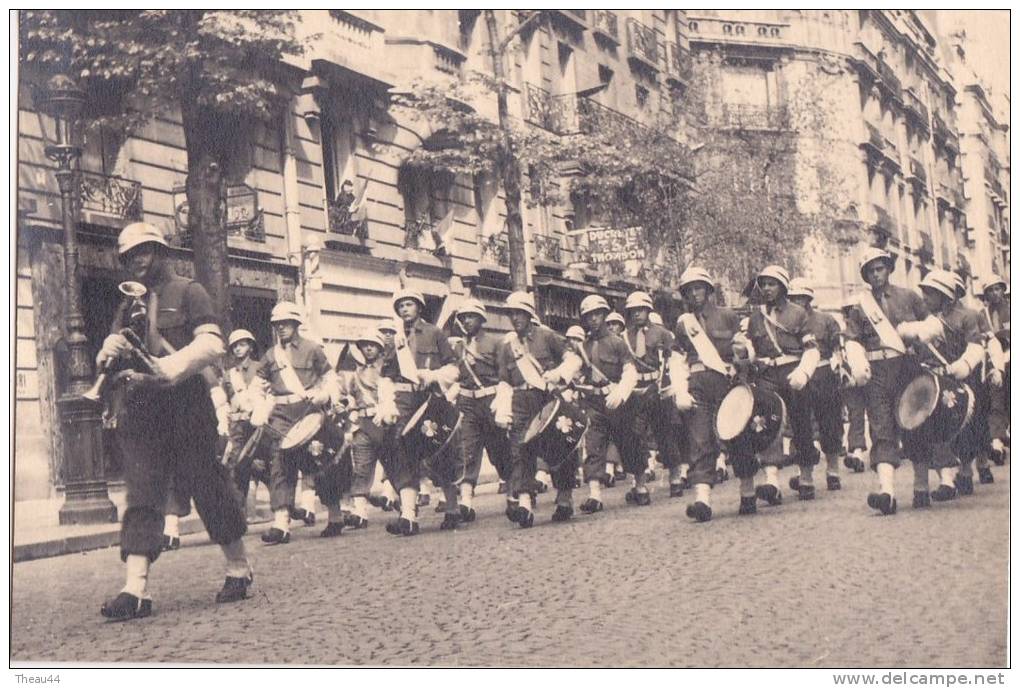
[405,387]
[648,377]
[701,367]
[288,398]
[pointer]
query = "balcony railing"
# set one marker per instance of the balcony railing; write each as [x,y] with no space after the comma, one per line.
[642,43]
[108,197]
[926,250]
[606,23]
[678,63]
[557,114]
[914,104]
[548,248]
[755,117]
[495,249]
[889,77]
[578,17]
[917,169]
[875,138]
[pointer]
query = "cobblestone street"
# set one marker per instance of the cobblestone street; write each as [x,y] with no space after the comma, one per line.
[823,583]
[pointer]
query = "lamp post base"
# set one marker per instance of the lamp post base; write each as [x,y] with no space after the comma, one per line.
[86,499]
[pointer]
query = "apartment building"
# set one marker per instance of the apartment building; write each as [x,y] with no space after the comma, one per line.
[323,208]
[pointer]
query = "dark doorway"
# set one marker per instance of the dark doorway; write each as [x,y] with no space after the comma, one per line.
[100,299]
[250,310]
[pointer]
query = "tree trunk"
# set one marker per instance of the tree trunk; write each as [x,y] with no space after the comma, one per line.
[206,192]
[509,168]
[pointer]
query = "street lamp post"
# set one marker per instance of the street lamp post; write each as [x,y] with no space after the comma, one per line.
[86,499]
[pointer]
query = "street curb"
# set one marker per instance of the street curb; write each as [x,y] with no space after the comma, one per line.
[76,544]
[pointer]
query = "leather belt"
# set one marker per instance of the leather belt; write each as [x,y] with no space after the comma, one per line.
[648,377]
[405,387]
[881,354]
[288,398]
[824,362]
[778,360]
[701,367]
[477,393]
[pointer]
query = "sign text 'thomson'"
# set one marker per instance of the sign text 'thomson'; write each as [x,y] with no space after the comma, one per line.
[615,245]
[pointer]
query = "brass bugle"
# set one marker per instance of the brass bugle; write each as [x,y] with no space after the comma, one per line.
[141,355]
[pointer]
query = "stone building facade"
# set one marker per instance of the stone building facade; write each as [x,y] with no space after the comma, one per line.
[292,234]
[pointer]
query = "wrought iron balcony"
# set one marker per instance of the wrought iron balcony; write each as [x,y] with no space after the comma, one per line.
[605,23]
[755,117]
[414,230]
[108,199]
[916,107]
[548,248]
[577,17]
[874,141]
[553,113]
[889,77]
[642,43]
[592,116]
[495,249]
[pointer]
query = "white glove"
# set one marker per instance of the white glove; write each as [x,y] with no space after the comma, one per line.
[452,392]
[684,401]
[113,346]
[959,369]
[260,413]
[551,377]
[426,377]
[615,397]
[319,397]
[223,420]
[798,379]
[857,360]
[995,378]
[504,419]
[569,395]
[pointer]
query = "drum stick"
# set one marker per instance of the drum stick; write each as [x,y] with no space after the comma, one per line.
[250,445]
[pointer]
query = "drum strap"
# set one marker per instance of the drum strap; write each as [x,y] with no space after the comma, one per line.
[597,376]
[885,330]
[405,357]
[288,376]
[707,352]
[771,323]
[368,391]
[639,350]
[467,355]
[531,369]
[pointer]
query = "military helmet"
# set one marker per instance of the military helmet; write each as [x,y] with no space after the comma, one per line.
[575,332]
[876,254]
[941,281]
[239,336]
[616,318]
[778,273]
[638,299]
[592,303]
[655,318]
[472,306]
[136,234]
[522,301]
[800,287]
[696,274]
[404,294]
[371,336]
[285,310]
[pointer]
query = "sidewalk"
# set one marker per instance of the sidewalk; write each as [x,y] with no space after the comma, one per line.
[38,533]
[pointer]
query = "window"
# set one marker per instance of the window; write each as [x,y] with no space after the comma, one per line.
[101,152]
[641,96]
[427,206]
[608,92]
[338,160]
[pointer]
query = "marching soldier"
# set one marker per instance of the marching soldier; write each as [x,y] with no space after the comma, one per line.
[296,379]
[996,316]
[656,423]
[952,335]
[853,400]
[611,377]
[704,339]
[422,357]
[236,383]
[781,345]
[532,360]
[388,500]
[478,355]
[875,349]
[183,339]
[616,323]
[823,390]
[369,399]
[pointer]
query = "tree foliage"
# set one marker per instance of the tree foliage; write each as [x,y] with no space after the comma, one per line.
[220,71]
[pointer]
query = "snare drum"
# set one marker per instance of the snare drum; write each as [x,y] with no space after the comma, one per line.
[556,431]
[429,436]
[302,431]
[750,414]
[934,408]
